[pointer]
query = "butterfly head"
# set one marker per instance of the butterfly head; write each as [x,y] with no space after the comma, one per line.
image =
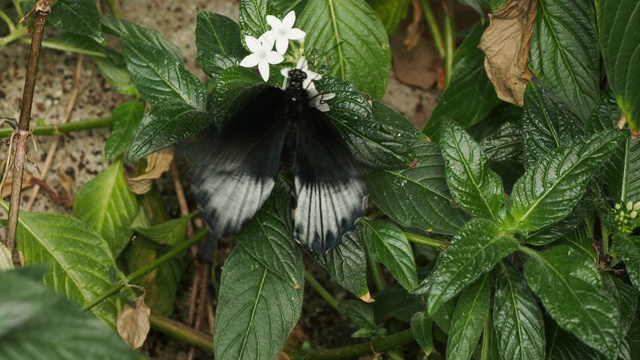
[296,78]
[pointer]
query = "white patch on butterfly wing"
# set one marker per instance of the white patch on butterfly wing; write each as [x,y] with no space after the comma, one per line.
[326,210]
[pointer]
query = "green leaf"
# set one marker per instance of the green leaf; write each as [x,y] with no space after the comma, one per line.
[634,338]
[549,190]
[115,71]
[619,42]
[605,115]
[134,32]
[474,186]
[164,126]
[171,232]
[347,264]
[218,42]
[470,96]
[562,345]
[36,322]
[573,294]
[126,118]
[107,205]
[475,4]
[473,251]
[497,4]
[253,17]
[564,52]
[75,43]
[284,6]
[421,326]
[394,122]
[353,35]
[517,318]
[78,16]
[234,87]
[388,245]
[629,251]
[360,313]
[626,299]
[160,78]
[395,302]
[418,196]
[80,259]
[391,12]
[623,172]
[469,319]
[546,123]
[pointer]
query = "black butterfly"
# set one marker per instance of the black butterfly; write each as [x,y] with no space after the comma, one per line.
[235,176]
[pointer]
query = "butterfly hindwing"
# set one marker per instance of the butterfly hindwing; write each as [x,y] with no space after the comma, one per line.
[234,177]
[329,189]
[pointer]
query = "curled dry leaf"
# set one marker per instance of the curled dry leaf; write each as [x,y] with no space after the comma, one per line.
[157,164]
[27,182]
[506,46]
[6,262]
[133,324]
[367,298]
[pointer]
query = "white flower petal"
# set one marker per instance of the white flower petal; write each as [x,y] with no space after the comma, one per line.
[295,34]
[267,39]
[274,58]
[263,67]
[328,96]
[274,22]
[302,63]
[250,60]
[289,19]
[253,44]
[281,45]
[285,72]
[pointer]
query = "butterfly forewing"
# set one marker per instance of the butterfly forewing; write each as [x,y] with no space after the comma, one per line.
[235,176]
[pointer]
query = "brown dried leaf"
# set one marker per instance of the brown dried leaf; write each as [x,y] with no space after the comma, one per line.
[506,46]
[133,324]
[157,164]
[367,298]
[27,182]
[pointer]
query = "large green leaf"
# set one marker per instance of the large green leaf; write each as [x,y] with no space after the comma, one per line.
[571,290]
[75,43]
[126,118]
[391,12]
[417,196]
[629,251]
[352,34]
[218,42]
[517,318]
[253,17]
[564,52]
[114,70]
[388,245]
[619,40]
[347,264]
[546,123]
[473,251]
[421,326]
[549,189]
[107,205]
[563,345]
[626,299]
[37,323]
[623,172]
[474,186]
[469,319]
[160,78]
[170,232]
[77,16]
[395,302]
[470,95]
[80,258]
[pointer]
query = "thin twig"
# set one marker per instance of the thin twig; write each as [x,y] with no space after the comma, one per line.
[53,147]
[42,10]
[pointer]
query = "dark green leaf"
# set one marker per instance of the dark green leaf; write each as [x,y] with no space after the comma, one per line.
[393,122]
[626,299]
[418,196]
[623,172]
[77,16]
[497,4]
[234,87]
[171,232]
[470,95]
[502,143]
[391,12]
[347,264]
[564,52]
[284,6]
[629,251]
[474,186]
[253,18]
[473,251]
[126,118]
[605,115]
[218,42]
[563,228]
[469,319]
[160,78]
[619,42]
[562,345]
[421,326]
[352,34]
[633,337]
[475,4]
[395,302]
[573,294]
[546,123]
[75,43]
[360,313]
[549,190]
[388,245]
[444,315]
[36,322]
[134,32]
[106,204]
[115,71]
[164,126]
[517,318]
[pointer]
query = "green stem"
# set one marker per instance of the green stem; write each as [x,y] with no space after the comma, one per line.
[14,35]
[7,21]
[65,128]
[182,332]
[433,27]
[147,268]
[323,292]
[56,46]
[449,37]
[433,243]
[527,250]
[114,5]
[367,348]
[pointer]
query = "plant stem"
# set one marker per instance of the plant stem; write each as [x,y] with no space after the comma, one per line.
[433,243]
[21,135]
[433,27]
[323,292]
[65,128]
[7,21]
[182,332]
[147,269]
[353,351]
[449,38]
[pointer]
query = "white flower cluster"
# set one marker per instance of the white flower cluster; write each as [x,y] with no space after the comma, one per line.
[626,217]
[262,55]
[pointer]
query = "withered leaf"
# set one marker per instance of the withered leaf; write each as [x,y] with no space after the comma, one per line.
[133,323]
[157,164]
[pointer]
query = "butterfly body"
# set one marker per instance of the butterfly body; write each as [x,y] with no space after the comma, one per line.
[235,176]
